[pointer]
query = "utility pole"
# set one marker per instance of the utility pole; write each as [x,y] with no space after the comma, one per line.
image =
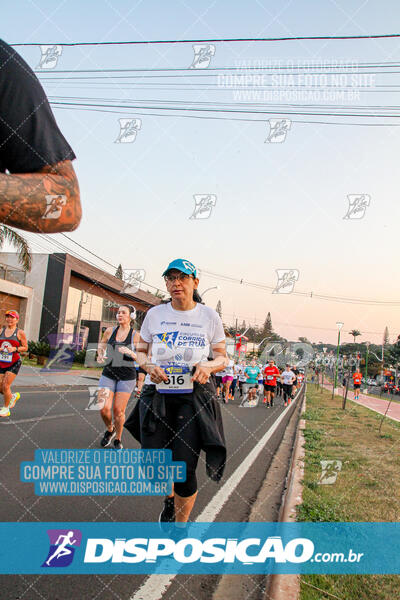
[79,317]
[323,369]
[347,387]
[236,330]
[339,326]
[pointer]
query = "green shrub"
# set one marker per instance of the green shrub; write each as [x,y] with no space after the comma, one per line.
[39,348]
[32,347]
[79,357]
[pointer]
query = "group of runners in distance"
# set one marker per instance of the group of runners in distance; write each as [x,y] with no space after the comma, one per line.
[251,379]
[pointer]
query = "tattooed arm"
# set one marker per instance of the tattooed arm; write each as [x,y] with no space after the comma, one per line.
[23,201]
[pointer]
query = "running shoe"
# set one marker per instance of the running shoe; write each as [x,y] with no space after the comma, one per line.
[4,412]
[117,445]
[285,404]
[14,399]
[107,438]
[167,515]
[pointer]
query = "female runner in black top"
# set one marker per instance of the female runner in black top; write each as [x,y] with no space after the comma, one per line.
[118,379]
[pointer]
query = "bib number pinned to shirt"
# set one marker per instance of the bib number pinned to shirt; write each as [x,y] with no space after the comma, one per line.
[179,380]
[6,357]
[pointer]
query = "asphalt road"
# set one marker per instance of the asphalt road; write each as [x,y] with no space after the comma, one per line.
[49,419]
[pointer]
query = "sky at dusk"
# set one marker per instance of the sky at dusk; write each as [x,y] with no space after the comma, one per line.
[321,202]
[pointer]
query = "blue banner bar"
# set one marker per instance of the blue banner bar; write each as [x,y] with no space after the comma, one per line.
[204,548]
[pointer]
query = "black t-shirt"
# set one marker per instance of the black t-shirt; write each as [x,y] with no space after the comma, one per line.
[122,366]
[29,135]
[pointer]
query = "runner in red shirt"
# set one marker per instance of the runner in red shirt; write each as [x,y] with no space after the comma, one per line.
[357,379]
[271,372]
[12,342]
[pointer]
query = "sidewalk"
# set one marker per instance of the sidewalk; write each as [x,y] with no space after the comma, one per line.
[39,378]
[378,405]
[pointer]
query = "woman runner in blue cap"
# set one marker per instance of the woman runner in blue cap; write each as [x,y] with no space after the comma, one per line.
[177,408]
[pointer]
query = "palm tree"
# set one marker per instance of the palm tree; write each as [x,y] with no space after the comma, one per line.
[355,333]
[21,245]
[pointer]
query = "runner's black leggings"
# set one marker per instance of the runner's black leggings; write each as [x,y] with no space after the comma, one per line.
[287,391]
[179,432]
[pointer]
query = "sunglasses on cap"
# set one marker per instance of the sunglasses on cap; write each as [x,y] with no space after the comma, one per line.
[12,313]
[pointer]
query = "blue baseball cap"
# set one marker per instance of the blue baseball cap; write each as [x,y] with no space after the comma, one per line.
[181,264]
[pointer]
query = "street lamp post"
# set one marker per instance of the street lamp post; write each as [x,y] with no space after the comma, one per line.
[215,287]
[366,361]
[339,326]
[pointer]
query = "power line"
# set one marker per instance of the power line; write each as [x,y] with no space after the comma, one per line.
[89,251]
[311,294]
[209,117]
[276,71]
[218,103]
[216,40]
[65,249]
[292,67]
[250,320]
[380,89]
[216,110]
[194,73]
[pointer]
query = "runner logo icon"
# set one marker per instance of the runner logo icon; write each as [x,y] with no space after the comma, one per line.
[54,206]
[132,280]
[330,470]
[204,203]
[168,338]
[278,129]
[50,56]
[358,204]
[97,397]
[286,280]
[128,130]
[62,547]
[203,54]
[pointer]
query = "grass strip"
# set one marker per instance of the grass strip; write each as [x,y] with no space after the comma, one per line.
[367,487]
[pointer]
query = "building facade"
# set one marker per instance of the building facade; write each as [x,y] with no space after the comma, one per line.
[67,298]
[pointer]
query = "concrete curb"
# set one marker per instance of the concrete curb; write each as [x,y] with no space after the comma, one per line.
[287,587]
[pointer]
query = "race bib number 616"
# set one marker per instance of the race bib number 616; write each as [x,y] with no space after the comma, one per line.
[179,380]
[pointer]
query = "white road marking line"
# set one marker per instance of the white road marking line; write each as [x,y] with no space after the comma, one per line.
[38,419]
[156,585]
[49,391]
